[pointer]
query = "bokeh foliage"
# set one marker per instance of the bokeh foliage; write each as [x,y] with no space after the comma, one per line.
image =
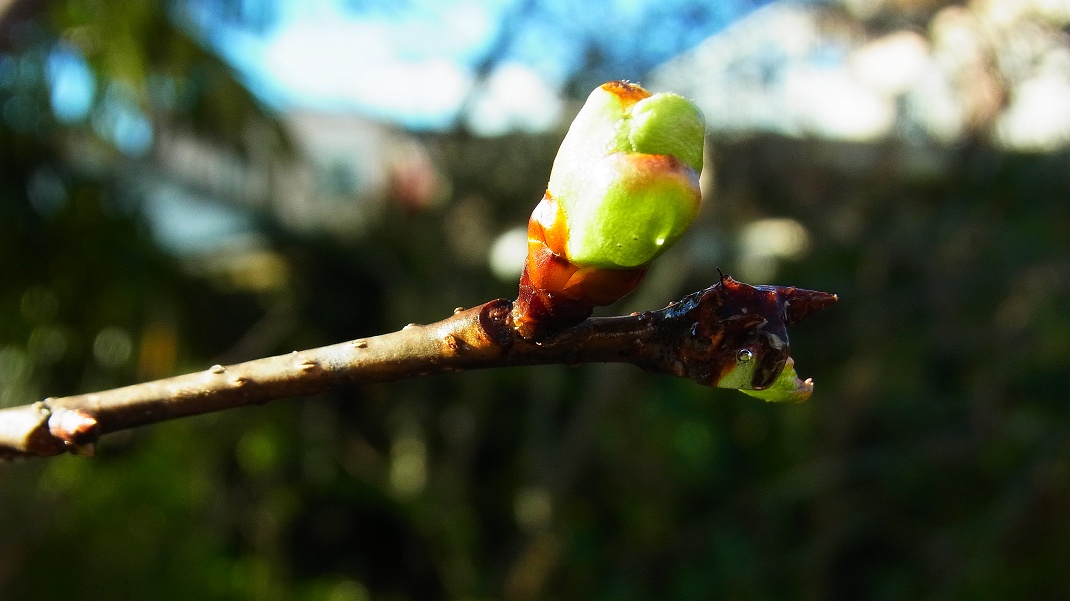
[930,463]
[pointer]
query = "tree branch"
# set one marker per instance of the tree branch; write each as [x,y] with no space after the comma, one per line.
[698,337]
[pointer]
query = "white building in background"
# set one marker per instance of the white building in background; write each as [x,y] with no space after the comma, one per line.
[340,175]
[997,68]
[337,178]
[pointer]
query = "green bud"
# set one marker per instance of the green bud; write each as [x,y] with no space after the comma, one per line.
[626,175]
[668,124]
[628,209]
[787,388]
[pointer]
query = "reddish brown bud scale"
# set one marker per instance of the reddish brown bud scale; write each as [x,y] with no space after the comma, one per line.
[552,271]
[554,293]
[628,92]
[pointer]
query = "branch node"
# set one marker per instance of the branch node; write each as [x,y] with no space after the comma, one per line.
[495,319]
[453,343]
[73,426]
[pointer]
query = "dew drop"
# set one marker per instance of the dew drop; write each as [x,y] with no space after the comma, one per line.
[745,356]
[659,241]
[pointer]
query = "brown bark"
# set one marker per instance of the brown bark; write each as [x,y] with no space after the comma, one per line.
[693,338]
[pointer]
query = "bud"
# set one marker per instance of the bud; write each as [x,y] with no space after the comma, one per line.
[787,388]
[750,325]
[623,188]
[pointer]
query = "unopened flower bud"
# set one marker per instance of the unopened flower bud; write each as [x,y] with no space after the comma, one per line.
[626,175]
[623,188]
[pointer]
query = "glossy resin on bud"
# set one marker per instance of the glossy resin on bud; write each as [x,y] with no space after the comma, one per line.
[740,337]
[623,188]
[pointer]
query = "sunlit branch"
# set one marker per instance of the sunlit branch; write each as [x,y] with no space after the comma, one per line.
[698,337]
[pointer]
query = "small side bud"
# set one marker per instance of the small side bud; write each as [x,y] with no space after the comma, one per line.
[787,388]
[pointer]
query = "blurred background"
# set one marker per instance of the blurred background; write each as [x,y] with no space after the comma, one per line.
[193,182]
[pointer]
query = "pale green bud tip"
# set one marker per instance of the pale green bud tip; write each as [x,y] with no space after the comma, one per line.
[621,117]
[668,124]
[626,175]
[787,388]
